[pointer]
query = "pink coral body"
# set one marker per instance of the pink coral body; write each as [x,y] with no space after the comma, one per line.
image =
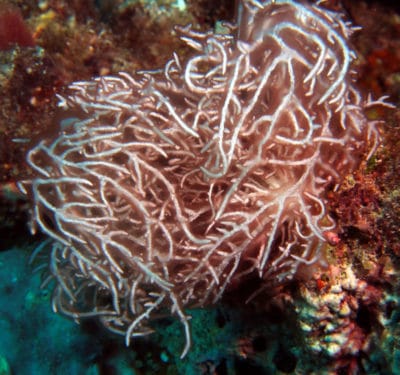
[164,188]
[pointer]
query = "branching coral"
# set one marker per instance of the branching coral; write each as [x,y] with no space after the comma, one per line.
[165,187]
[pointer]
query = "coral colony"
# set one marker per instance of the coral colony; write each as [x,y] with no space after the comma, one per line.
[165,188]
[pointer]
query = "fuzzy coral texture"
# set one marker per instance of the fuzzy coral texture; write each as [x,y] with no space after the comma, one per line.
[163,189]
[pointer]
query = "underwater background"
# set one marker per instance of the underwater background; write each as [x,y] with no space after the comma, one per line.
[343,319]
